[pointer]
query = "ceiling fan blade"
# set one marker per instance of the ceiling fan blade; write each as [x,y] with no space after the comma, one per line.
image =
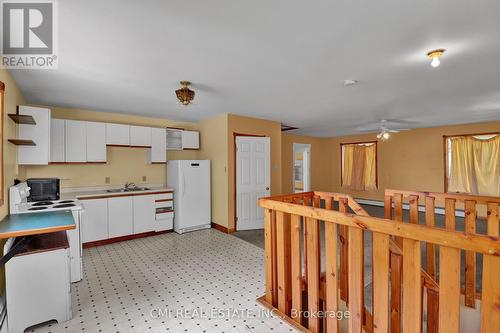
[397,130]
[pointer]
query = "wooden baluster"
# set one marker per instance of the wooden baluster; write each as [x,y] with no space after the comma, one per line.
[490,297]
[412,287]
[430,249]
[398,207]
[316,201]
[413,202]
[270,259]
[388,207]
[430,264]
[313,272]
[283,261]
[344,270]
[380,289]
[396,280]
[396,270]
[449,278]
[307,202]
[432,311]
[470,257]
[296,269]
[355,278]
[331,274]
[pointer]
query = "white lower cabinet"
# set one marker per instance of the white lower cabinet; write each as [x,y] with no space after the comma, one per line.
[94,224]
[126,215]
[144,213]
[120,216]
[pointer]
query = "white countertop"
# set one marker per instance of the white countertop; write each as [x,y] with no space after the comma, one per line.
[89,192]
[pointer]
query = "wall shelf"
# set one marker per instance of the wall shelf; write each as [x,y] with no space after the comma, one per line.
[22,119]
[21,142]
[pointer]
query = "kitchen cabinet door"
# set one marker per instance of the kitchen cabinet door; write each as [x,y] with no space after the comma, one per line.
[144,213]
[39,133]
[120,216]
[94,224]
[57,149]
[158,150]
[140,136]
[76,141]
[117,134]
[190,140]
[96,142]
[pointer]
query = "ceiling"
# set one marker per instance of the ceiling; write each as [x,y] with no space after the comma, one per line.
[281,60]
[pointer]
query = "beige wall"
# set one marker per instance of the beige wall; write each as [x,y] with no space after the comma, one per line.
[12,98]
[124,164]
[321,161]
[410,160]
[253,126]
[213,135]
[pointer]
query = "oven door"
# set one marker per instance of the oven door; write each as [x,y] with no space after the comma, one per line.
[42,189]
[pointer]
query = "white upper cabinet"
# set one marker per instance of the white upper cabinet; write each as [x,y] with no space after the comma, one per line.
[57,140]
[190,140]
[96,142]
[158,150]
[39,133]
[76,141]
[174,139]
[117,134]
[140,136]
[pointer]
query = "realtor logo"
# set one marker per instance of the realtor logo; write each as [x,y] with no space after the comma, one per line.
[28,34]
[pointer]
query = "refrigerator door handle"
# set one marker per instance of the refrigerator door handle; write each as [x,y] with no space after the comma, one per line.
[183,186]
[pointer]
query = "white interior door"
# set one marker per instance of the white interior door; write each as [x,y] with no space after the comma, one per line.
[253,180]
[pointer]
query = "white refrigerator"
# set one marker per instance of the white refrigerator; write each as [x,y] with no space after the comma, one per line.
[190,180]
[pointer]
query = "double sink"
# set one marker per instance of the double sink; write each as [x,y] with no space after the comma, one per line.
[128,189]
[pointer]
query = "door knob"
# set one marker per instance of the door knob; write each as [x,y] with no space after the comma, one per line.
[267,188]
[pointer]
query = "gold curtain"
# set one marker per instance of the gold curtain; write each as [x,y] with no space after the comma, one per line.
[475,165]
[359,168]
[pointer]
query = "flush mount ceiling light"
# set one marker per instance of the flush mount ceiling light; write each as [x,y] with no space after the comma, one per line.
[184,94]
[435,55]
[349,82]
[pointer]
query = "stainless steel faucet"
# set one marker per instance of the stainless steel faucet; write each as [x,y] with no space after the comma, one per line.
[129,185]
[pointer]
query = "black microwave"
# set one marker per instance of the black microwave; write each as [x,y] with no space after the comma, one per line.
[42,189]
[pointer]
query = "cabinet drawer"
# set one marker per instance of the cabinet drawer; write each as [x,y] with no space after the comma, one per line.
[164,197]
[164,215]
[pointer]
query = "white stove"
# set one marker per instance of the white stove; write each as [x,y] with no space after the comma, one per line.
[19,204]
[18,198]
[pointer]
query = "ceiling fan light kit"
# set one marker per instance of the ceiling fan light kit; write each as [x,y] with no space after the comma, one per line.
[184,94]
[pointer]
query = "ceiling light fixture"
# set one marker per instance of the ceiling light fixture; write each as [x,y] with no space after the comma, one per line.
[435,55]
[184,94]
[348,83]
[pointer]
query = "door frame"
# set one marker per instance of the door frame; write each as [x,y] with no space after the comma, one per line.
[305,147]
[235,135]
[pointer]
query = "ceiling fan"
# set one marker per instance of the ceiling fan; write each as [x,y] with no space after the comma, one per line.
[386,127]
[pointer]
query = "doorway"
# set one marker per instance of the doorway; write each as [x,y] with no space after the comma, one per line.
[253,179]
[301,167]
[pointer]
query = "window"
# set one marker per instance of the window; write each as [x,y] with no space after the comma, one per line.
[472,164]
[359,165]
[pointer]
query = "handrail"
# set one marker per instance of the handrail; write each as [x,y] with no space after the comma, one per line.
[294,280]
[480,199]
[459,240]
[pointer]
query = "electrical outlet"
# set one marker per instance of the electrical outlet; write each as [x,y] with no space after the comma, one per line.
[107,180]
[143,178]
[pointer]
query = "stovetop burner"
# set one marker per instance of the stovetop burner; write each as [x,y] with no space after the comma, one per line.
[66,201]
[37,208]
[42,203]
[64,205]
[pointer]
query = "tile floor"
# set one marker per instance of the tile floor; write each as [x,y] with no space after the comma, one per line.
[125,284]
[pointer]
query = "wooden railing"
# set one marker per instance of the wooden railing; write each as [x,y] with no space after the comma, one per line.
[295,281]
